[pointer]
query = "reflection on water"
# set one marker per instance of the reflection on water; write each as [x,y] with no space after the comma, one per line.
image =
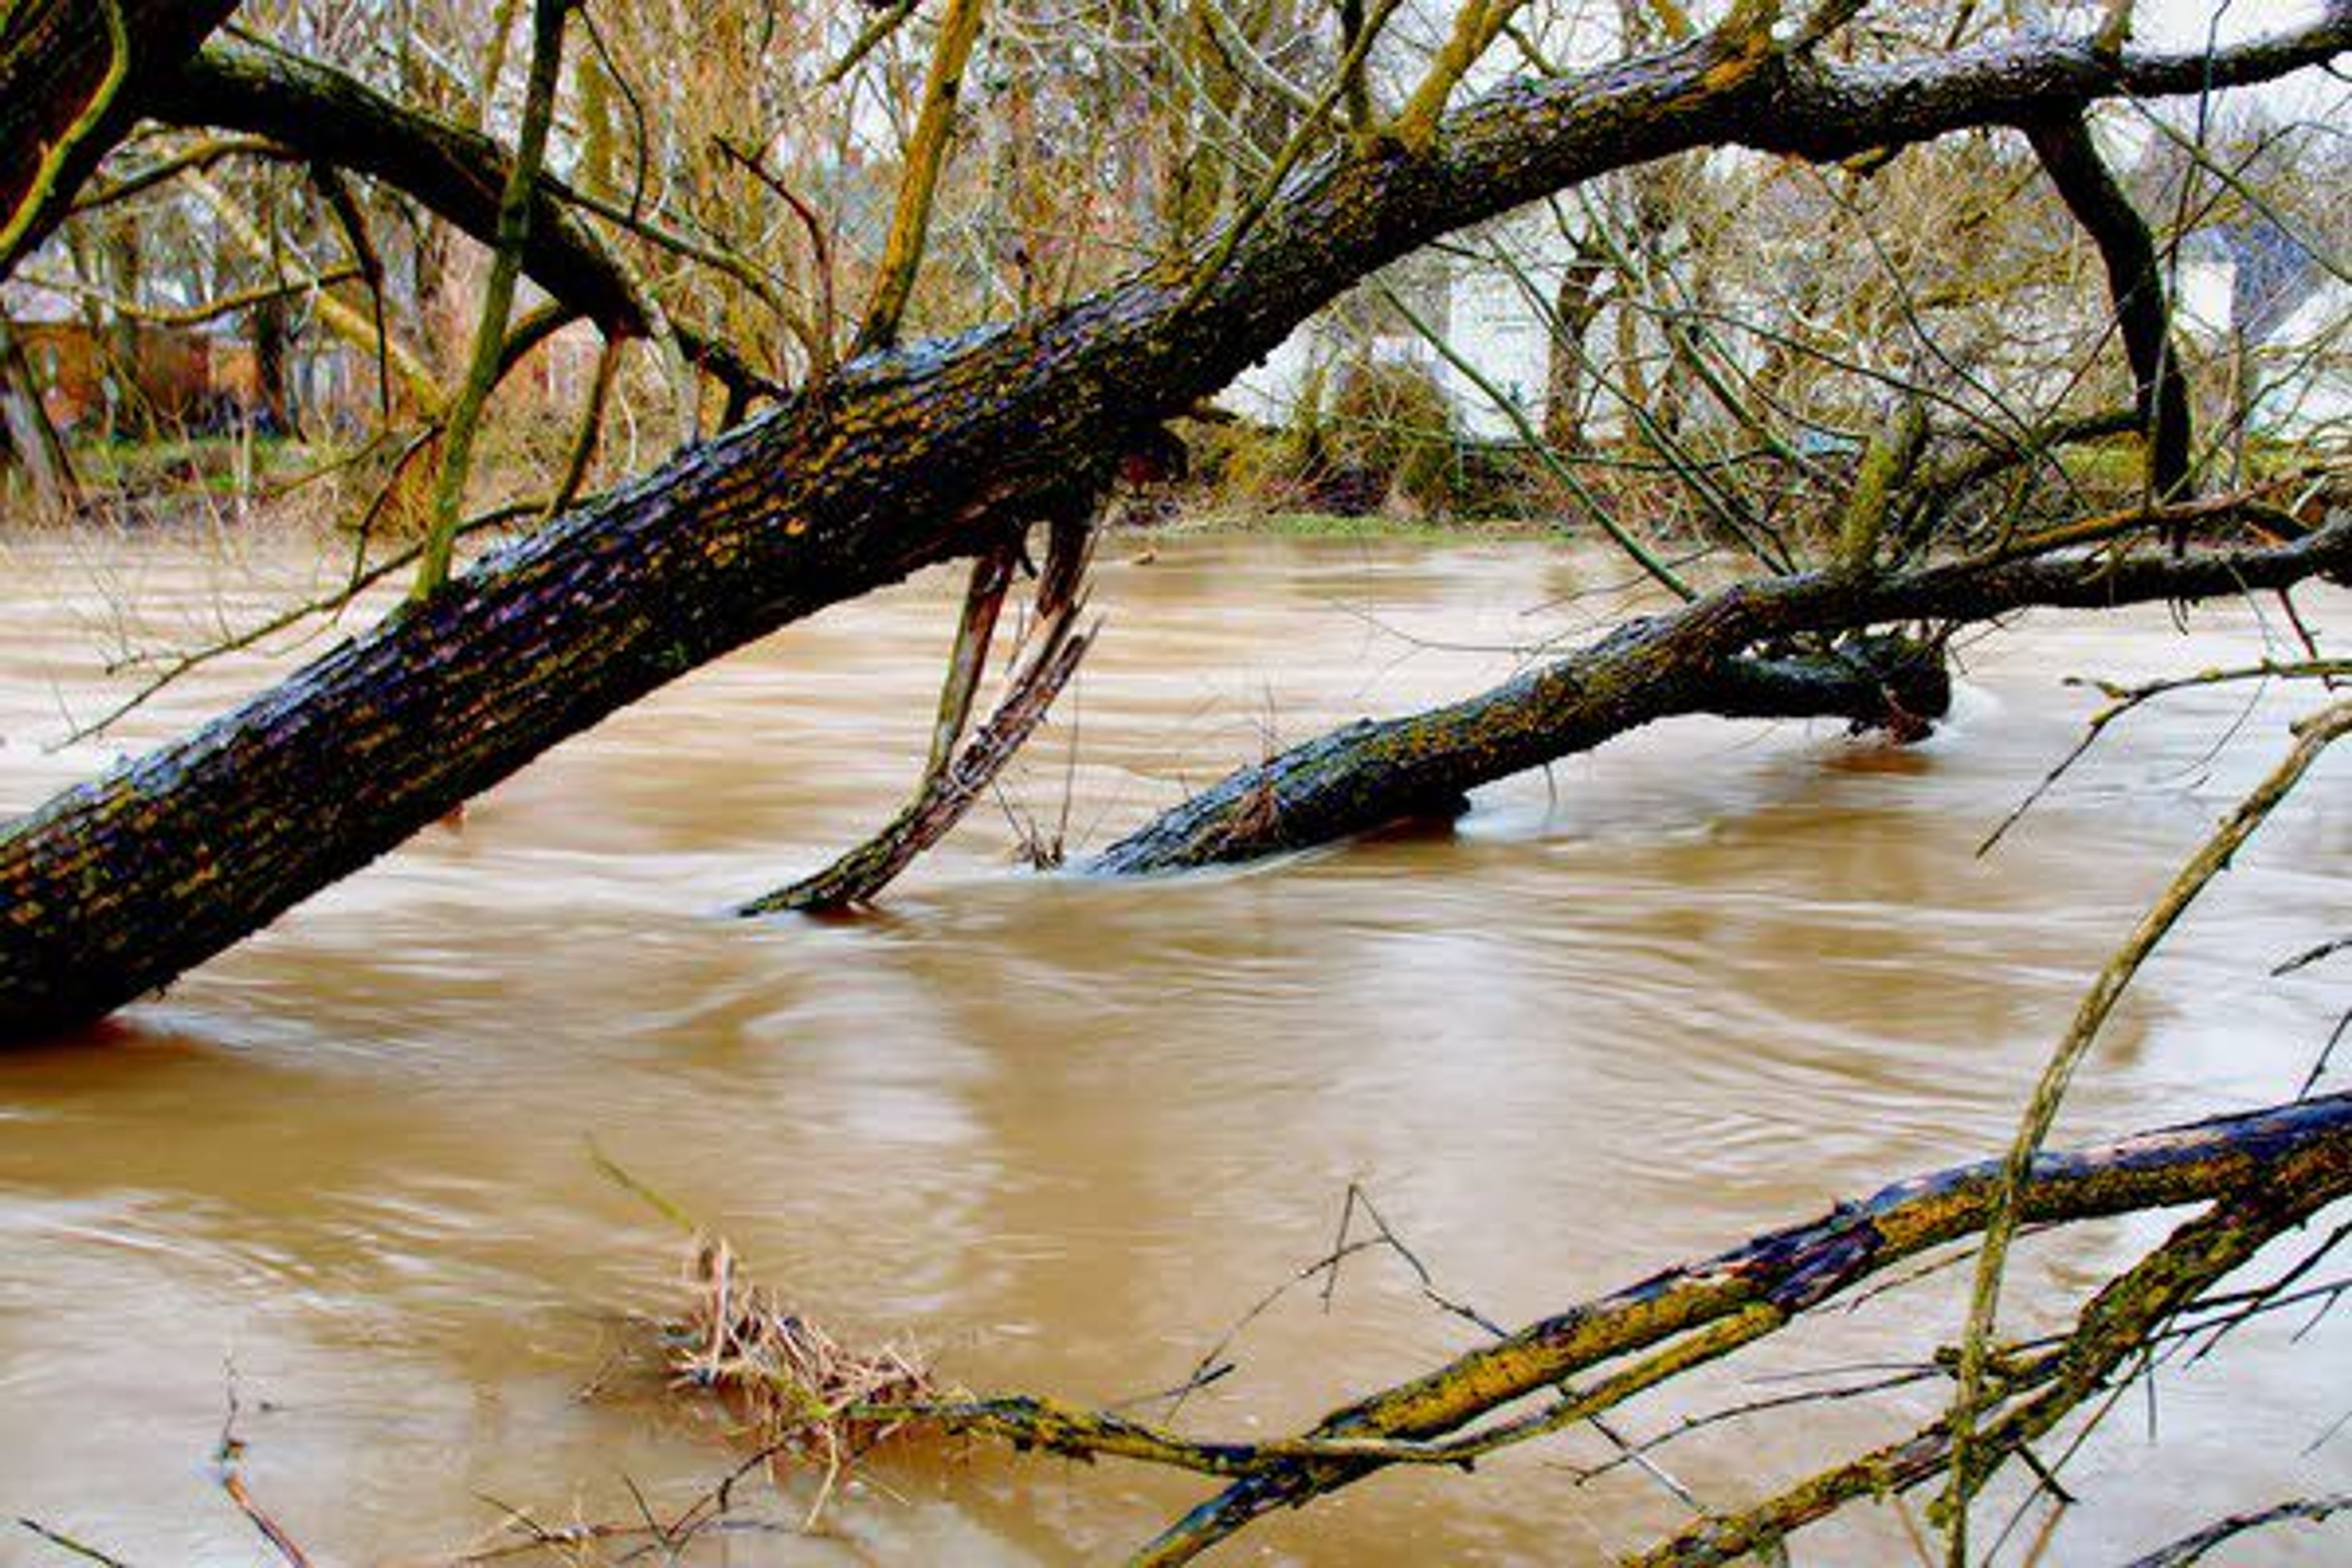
[1695,985]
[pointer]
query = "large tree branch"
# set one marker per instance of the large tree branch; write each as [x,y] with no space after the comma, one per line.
[2265,1170]
[59,115]
[1685,661]
[333,118]
[2259,1174]
[902,461]
[2136,284]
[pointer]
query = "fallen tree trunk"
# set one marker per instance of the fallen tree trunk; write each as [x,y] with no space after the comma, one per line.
[893,462]
[1688,661]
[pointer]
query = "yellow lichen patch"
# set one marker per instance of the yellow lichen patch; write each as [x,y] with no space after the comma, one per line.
[1729,72]
[807,1393]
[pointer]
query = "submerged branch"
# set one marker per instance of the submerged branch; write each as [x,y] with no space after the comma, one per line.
[2264,1171]
[2260,1172]
[2193,1548]
[2111,1330]
[1692,660]
[949,791]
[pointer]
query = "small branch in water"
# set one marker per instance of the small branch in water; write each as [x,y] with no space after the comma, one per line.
[2192,1548]
[950,792]
[65,1542]
[177,664]
[2326,1054]
[2123,699]
[2310,956]
[228,1456]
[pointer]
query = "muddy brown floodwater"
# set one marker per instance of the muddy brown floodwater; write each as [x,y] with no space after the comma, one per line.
[1066,1132]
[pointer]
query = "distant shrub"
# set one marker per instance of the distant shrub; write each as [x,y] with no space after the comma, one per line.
[1391,438]
[1386,439]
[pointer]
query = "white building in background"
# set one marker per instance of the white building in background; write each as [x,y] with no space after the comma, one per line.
[1481,309]
[2297,326]
[2295,314]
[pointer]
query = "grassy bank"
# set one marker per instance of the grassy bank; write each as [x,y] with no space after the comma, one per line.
[1330,525]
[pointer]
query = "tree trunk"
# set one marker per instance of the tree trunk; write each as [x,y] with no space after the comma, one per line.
[1690,661]
[27,439]
[2136,282]
[267,324]
[55,56]
[130,412]
[898,462]
[1574,306]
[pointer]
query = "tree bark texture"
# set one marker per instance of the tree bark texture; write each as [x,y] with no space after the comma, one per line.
[896,461]
[55,57]
[27,439]
[1688,661]
[2285,1163]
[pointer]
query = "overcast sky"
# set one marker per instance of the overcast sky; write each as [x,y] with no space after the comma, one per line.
[2186,24]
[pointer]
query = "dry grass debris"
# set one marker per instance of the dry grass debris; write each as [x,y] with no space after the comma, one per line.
[806,1396]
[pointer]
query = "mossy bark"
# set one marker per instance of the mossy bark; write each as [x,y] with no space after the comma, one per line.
[2264,1170]
[1692,660]
[55,59]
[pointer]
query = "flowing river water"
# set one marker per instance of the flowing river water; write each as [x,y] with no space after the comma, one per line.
[1068,1131]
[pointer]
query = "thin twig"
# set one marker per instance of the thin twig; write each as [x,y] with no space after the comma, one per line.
[2123,699]
[2192,1548]
[2312,736]
[57,1538]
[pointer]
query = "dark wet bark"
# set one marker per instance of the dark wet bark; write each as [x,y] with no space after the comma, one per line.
[2136,283]
[336,121]
[1694,659]
[901,460]
[1376,772]
[54,57]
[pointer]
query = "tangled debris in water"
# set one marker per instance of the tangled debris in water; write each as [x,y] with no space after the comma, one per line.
[808,1399]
